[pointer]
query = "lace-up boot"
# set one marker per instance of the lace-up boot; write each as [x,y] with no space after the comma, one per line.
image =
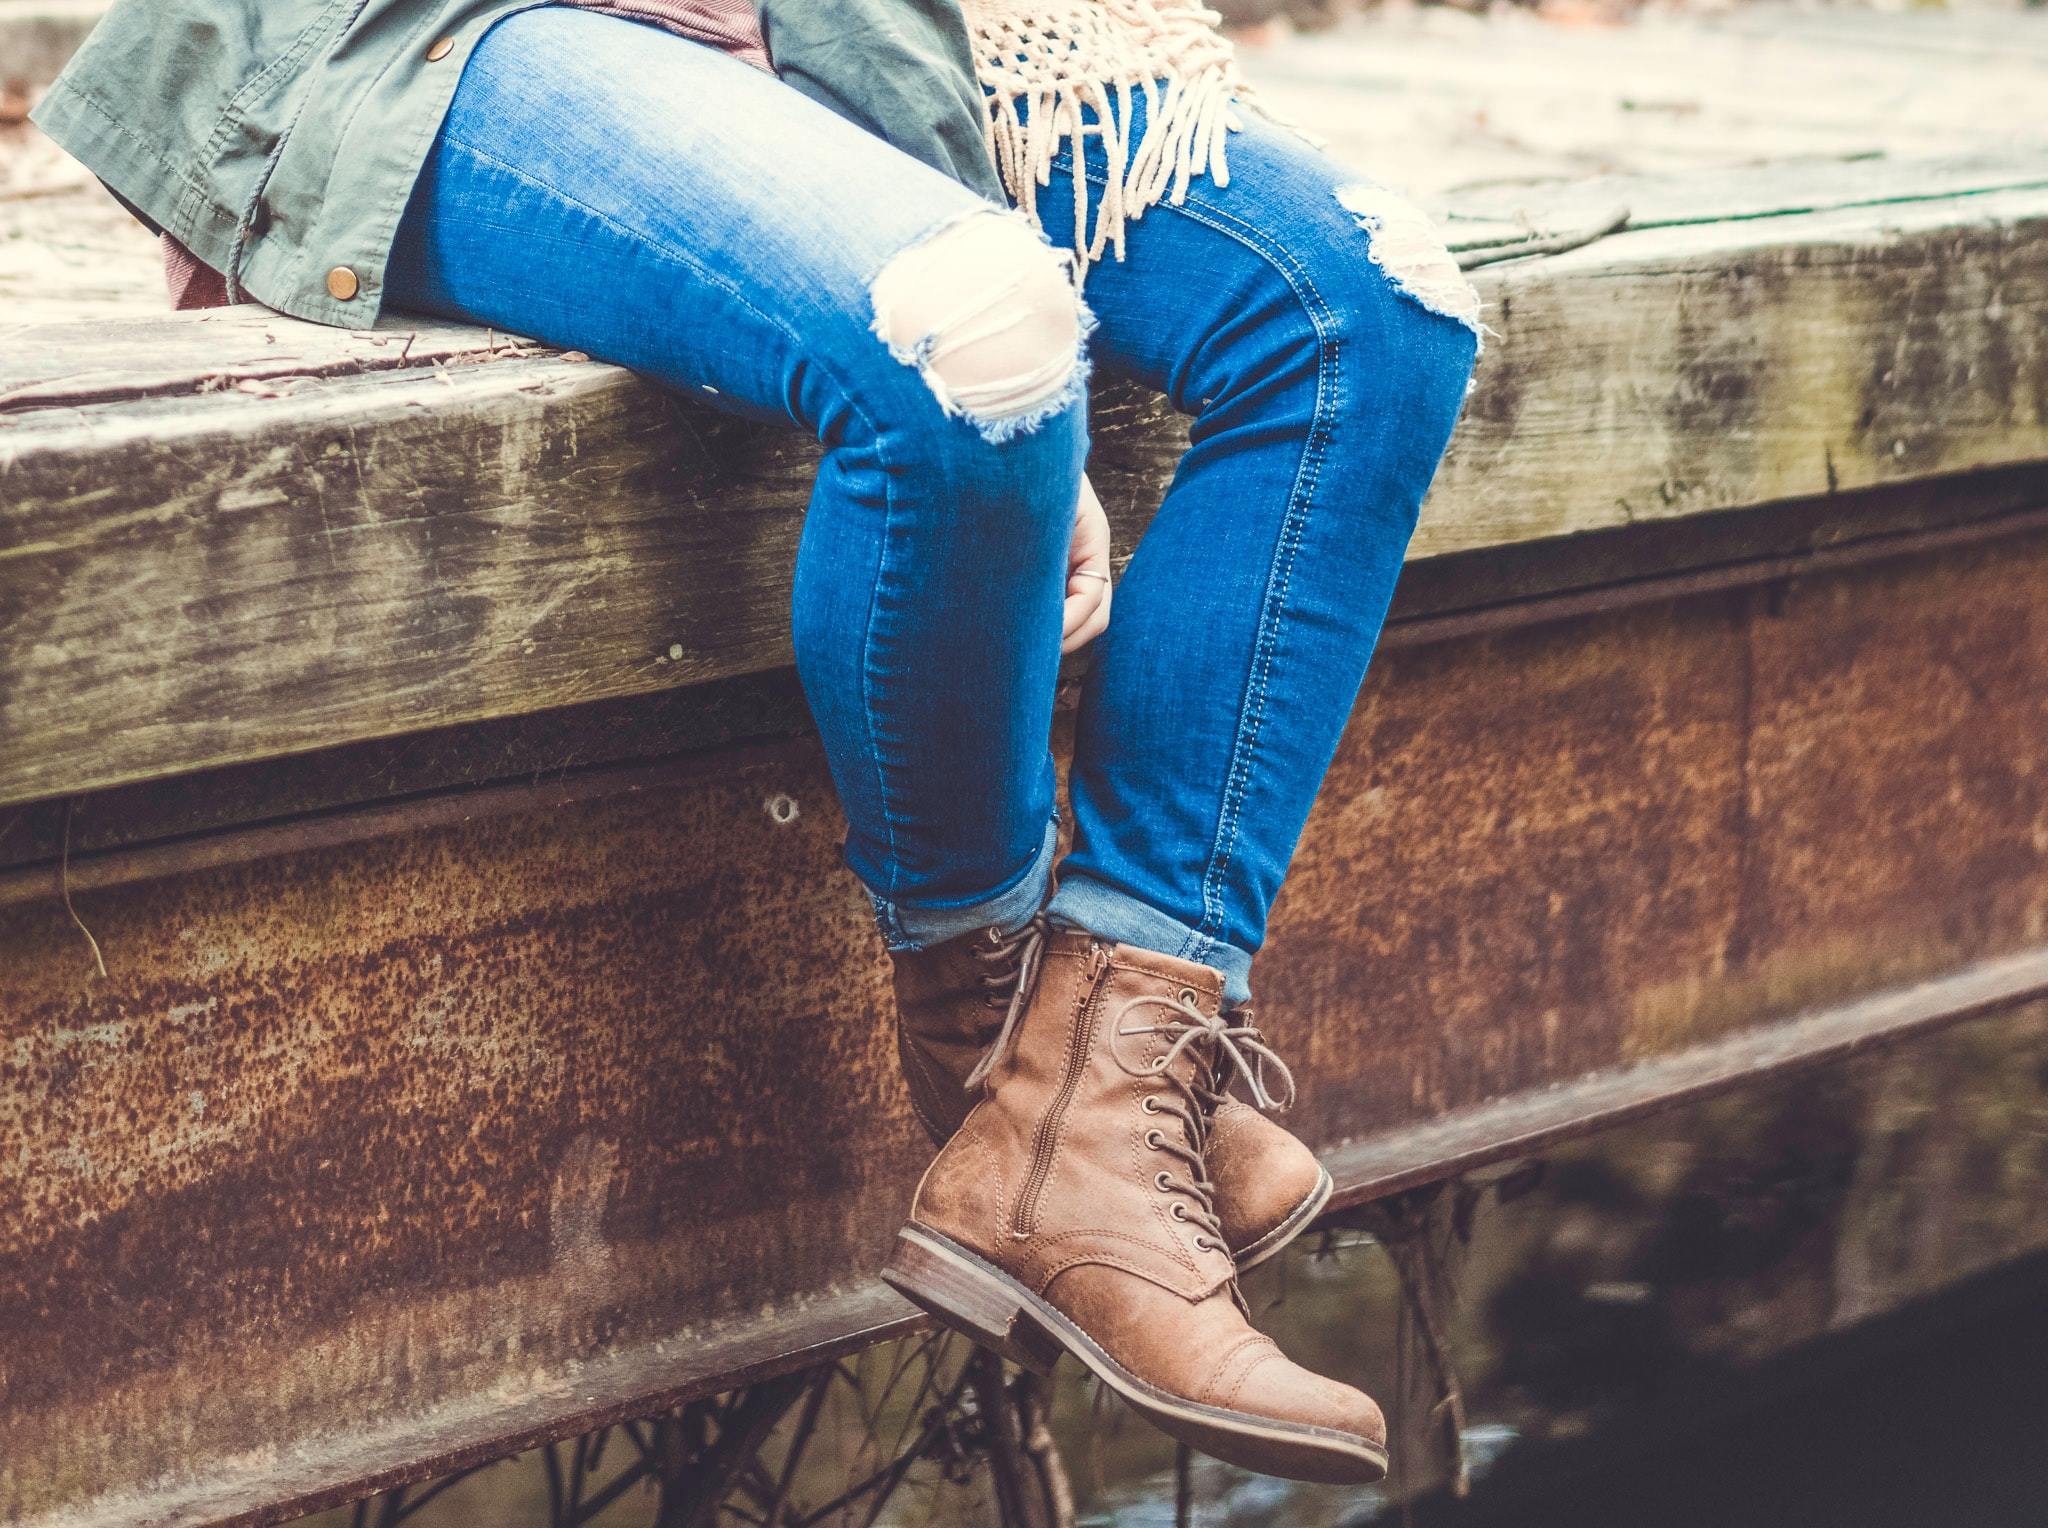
[954,1000]
[1073,1212]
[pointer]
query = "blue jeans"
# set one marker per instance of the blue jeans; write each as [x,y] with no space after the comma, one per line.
[604,186]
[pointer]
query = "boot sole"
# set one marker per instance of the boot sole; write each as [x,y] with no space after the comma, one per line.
[1297,1221]
[977,1299]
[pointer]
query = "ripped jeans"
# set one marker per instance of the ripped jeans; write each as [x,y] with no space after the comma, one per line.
[605,186]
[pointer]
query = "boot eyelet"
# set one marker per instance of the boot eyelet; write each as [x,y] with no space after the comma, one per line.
[1164,1184]
[1159,1064]
[1149,1104]
[1153,1139]
[1186,995]
[1177,1211]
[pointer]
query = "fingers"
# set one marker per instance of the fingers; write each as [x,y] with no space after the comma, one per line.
[1086,615]
[1089,547]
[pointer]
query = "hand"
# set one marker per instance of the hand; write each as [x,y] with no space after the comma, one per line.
[1087,608]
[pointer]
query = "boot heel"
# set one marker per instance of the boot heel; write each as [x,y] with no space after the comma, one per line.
[974,1302]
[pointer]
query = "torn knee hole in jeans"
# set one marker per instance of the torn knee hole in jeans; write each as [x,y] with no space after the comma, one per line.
[987,312]
[1407,247]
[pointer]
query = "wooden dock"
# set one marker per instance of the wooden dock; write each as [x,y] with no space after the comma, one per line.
[488,1044]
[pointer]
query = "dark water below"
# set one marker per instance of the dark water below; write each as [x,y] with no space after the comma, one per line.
[1950,1432]
[1819,1302]
[1940,1422]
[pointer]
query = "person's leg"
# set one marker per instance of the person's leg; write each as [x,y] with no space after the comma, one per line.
[1323,340]
[609,187]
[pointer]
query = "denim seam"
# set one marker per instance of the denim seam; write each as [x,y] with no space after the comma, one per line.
[867,681]
[661,249]
[1293,528]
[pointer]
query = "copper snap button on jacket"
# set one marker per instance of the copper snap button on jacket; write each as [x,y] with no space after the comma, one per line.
[442,47]
[342,283]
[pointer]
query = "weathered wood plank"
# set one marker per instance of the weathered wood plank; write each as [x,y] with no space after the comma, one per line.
[266,538]
[248,350]
[1696,367]
[1477,220]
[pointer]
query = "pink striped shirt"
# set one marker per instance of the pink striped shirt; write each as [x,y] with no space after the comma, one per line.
[728,25]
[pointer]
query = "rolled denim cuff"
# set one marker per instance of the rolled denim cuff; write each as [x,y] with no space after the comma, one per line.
[1111,914]
[919,928]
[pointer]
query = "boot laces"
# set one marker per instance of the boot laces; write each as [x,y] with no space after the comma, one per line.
[1219,1050]
[1010,971]
[1228,1045]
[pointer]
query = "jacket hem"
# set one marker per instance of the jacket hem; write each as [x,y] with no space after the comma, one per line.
[87,129]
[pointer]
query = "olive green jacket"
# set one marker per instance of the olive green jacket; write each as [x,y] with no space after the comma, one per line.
[278,140]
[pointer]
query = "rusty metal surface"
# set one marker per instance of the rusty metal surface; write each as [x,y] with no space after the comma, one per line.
[1535,1120]
[407,1131]
[1564,847]
[401,1121]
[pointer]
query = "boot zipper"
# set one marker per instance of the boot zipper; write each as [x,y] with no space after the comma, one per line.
[1047,1138]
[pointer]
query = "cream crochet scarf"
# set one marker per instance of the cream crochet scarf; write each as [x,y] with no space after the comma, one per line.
[1053,57]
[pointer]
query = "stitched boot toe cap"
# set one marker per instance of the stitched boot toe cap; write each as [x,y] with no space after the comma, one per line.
[1275,1386]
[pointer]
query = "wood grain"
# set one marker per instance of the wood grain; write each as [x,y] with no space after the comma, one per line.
[233,536]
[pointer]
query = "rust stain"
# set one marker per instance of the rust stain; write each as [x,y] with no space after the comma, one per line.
[368,1125]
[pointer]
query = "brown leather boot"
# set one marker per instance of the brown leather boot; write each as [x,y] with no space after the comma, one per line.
[1072,1212]
[951,1003]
